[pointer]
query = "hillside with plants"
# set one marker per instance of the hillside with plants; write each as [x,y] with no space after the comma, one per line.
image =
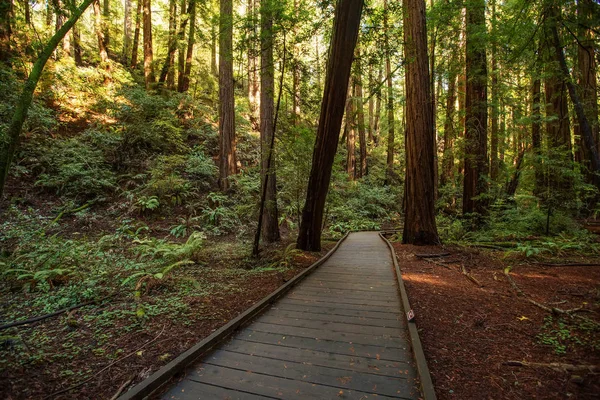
[165,164]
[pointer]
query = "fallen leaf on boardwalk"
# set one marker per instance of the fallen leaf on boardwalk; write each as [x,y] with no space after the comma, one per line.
[340,393]
[344,379]
[377,356]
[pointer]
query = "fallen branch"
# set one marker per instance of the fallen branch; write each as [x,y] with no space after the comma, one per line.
[121,388]
[469,276]
[553,310]
[105,368]
[72,211]
[437,263]
[64,310]
[568,264]
[555,366]
[432,255]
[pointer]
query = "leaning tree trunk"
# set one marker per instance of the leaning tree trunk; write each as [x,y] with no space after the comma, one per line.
[345,33]
[419,216]
[8,147]
[270,225]
[227,161]
[475,110]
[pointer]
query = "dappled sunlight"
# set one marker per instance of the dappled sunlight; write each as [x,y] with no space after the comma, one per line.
[425,279]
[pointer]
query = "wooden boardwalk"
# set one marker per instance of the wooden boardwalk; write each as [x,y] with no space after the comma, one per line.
[339,334]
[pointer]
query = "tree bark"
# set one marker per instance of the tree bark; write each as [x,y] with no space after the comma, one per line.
[126,31]
[362,170]
[181,47]
[270,225]
[349,130]
[149,77]
[253,66]
[77,45]
[536,137]
[99,27]
[449,130]
[475,163]
[419,217]
[390,100]
[345,34]
[190,48]
[105,27]
[8,147]
[227,159]
[377,116]
[171,47]
[136,34]
[494,162]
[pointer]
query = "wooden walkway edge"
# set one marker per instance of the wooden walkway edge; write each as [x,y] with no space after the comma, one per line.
[338,330]
[164,374]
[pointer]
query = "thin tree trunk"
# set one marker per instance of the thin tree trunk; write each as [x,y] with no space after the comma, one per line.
[181,47]
[419,223]
[253,66]
[149,77]
[345,33]
[77,45]
[449,131]
[475,163]
[371,130]
[377,116]
[27,12]
[98,25]
[270,225]
[227,159]
[390,100]
[171,46]
[8,147]
[136,34]
[105,27]
[190,47]
[536,137]
[213,50]
[350,137]
[126,31]
[360,119]
[494,162]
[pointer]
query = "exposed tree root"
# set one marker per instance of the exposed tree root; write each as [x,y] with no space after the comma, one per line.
[555,366]
[469,276]
[121,388]
[432,255]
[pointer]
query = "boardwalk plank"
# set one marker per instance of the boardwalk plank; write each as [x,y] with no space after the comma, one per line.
[330,326]
[338,378]
[331,346]
[360,320]
[330,310]
[266,385]
[366,365]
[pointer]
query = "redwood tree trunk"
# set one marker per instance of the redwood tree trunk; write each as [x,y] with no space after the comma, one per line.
[136,34]
[253,66]
[190,48]
[349,130]
[126,31]
[149,77]
[227,160]
[475,110]
[77,45]
[419,216]
[360,121]
[345,33]
[100,33]
[270,225]
[390,101]
[449,131]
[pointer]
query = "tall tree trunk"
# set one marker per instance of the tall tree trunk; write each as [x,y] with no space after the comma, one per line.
[494,162]
[214,35]
[360,119]
[66,44]
[377,116]
[190,47]
[350,137]
[136,34]
[296,72]
[172,46]
[27,12]
[390,100]
[419,223]
[345,33]
[270,225]
[536,137]
[475,164]
[8,147]
[449,131]
[5,30]
[584,125]
[105,21]
[126,31]
[227,159]
[180,44]
[149,77]
[586,63]
[371,105]
[48,13]
[77,45]
[98,25]
[253,67]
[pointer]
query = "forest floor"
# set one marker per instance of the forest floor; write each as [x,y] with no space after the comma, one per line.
[476,327]
[92,351]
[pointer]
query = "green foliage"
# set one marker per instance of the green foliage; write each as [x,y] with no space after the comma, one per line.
[564,335]
[73,168]
[160,249]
